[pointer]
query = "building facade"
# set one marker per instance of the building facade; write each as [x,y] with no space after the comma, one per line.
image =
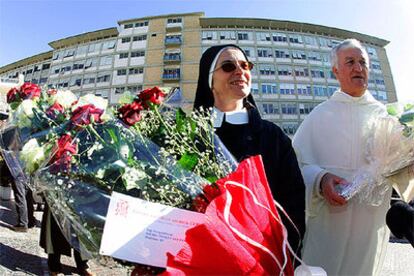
[292,72]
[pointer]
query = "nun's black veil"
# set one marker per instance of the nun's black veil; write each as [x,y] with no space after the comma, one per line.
[204,96]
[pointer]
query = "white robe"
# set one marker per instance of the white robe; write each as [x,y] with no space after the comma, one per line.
[350,239]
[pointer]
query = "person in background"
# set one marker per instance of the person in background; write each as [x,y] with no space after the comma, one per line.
[224,85]
[400,220]
[343,237]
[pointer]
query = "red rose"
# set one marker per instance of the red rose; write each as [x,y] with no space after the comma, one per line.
[29,90]
[130,113]
[13,95]
[53,111]
[201,202]
[62,154]
[153,95]
[83,114]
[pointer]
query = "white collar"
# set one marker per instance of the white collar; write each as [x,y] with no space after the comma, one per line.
[341,96]
[239,117]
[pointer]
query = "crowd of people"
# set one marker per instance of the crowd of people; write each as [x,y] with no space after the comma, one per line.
[344,237]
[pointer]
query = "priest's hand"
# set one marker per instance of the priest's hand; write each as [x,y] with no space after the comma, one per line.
[328,191]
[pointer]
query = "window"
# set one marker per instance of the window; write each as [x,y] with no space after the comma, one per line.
[171,73]
[66,68]
[260,36]
[244,35]
[382,96]
[55,69]
[324,42]
[75,81]
[316,56]
[69,53]
[305,108]
[91,62]
[29,71]
[270,108]
[310,40]
[119,90]
[282,53]
[172,56]
[208,35]
[63,83]
[279,37]
[136,71]
[56,55]
[375,65]
[379,80]
[94,47]
[106,60]
[102,93]
[128,26]
[103,77]
[134,88]
[296,54]
[123,55]
[174,20]
[228,35]
[288,108]
[78,64]
[126,40]
[269,88]
[173,39]
[301,72]
[320,91]
[372,52]
[317,73]
[267,69]
[89,79]
[82,50]
[255,88]
[295,39]
[108,45]
[287,89]
[139,38]
[249,51]
[303,89]
[331,90]
[45,66]
[284,70]
[290,128]
[43,80]
[141,24]
[138,54]
[121,72]
[264,52]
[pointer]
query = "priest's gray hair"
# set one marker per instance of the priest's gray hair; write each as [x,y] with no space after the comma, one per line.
[346,44]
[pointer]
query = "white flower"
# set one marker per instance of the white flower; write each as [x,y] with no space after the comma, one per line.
[65,98]
[98,102]
[24,113]
[133,178]
[32,155]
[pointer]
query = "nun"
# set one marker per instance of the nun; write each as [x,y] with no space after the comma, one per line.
[224,85]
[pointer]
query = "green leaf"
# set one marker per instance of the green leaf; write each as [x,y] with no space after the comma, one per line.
[392,110]
[188,161]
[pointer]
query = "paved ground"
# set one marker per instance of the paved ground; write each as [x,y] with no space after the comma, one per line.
[20,253]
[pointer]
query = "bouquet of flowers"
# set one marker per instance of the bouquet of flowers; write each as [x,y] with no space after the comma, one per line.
[389,150]
[80,151]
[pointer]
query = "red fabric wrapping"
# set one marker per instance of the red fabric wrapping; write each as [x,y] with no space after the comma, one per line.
[213,248]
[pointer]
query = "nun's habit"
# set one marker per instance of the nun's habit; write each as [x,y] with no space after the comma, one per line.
[255,136]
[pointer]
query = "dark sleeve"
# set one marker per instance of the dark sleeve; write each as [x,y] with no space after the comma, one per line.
[290,191]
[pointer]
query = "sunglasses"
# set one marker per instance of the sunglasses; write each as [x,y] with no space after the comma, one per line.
[230,66]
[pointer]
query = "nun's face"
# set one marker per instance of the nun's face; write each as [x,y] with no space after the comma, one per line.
[230,87]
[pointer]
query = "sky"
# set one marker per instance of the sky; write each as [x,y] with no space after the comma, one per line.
[27,26]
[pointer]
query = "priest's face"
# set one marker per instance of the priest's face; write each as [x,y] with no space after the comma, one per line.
[352,71]
[231,80]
